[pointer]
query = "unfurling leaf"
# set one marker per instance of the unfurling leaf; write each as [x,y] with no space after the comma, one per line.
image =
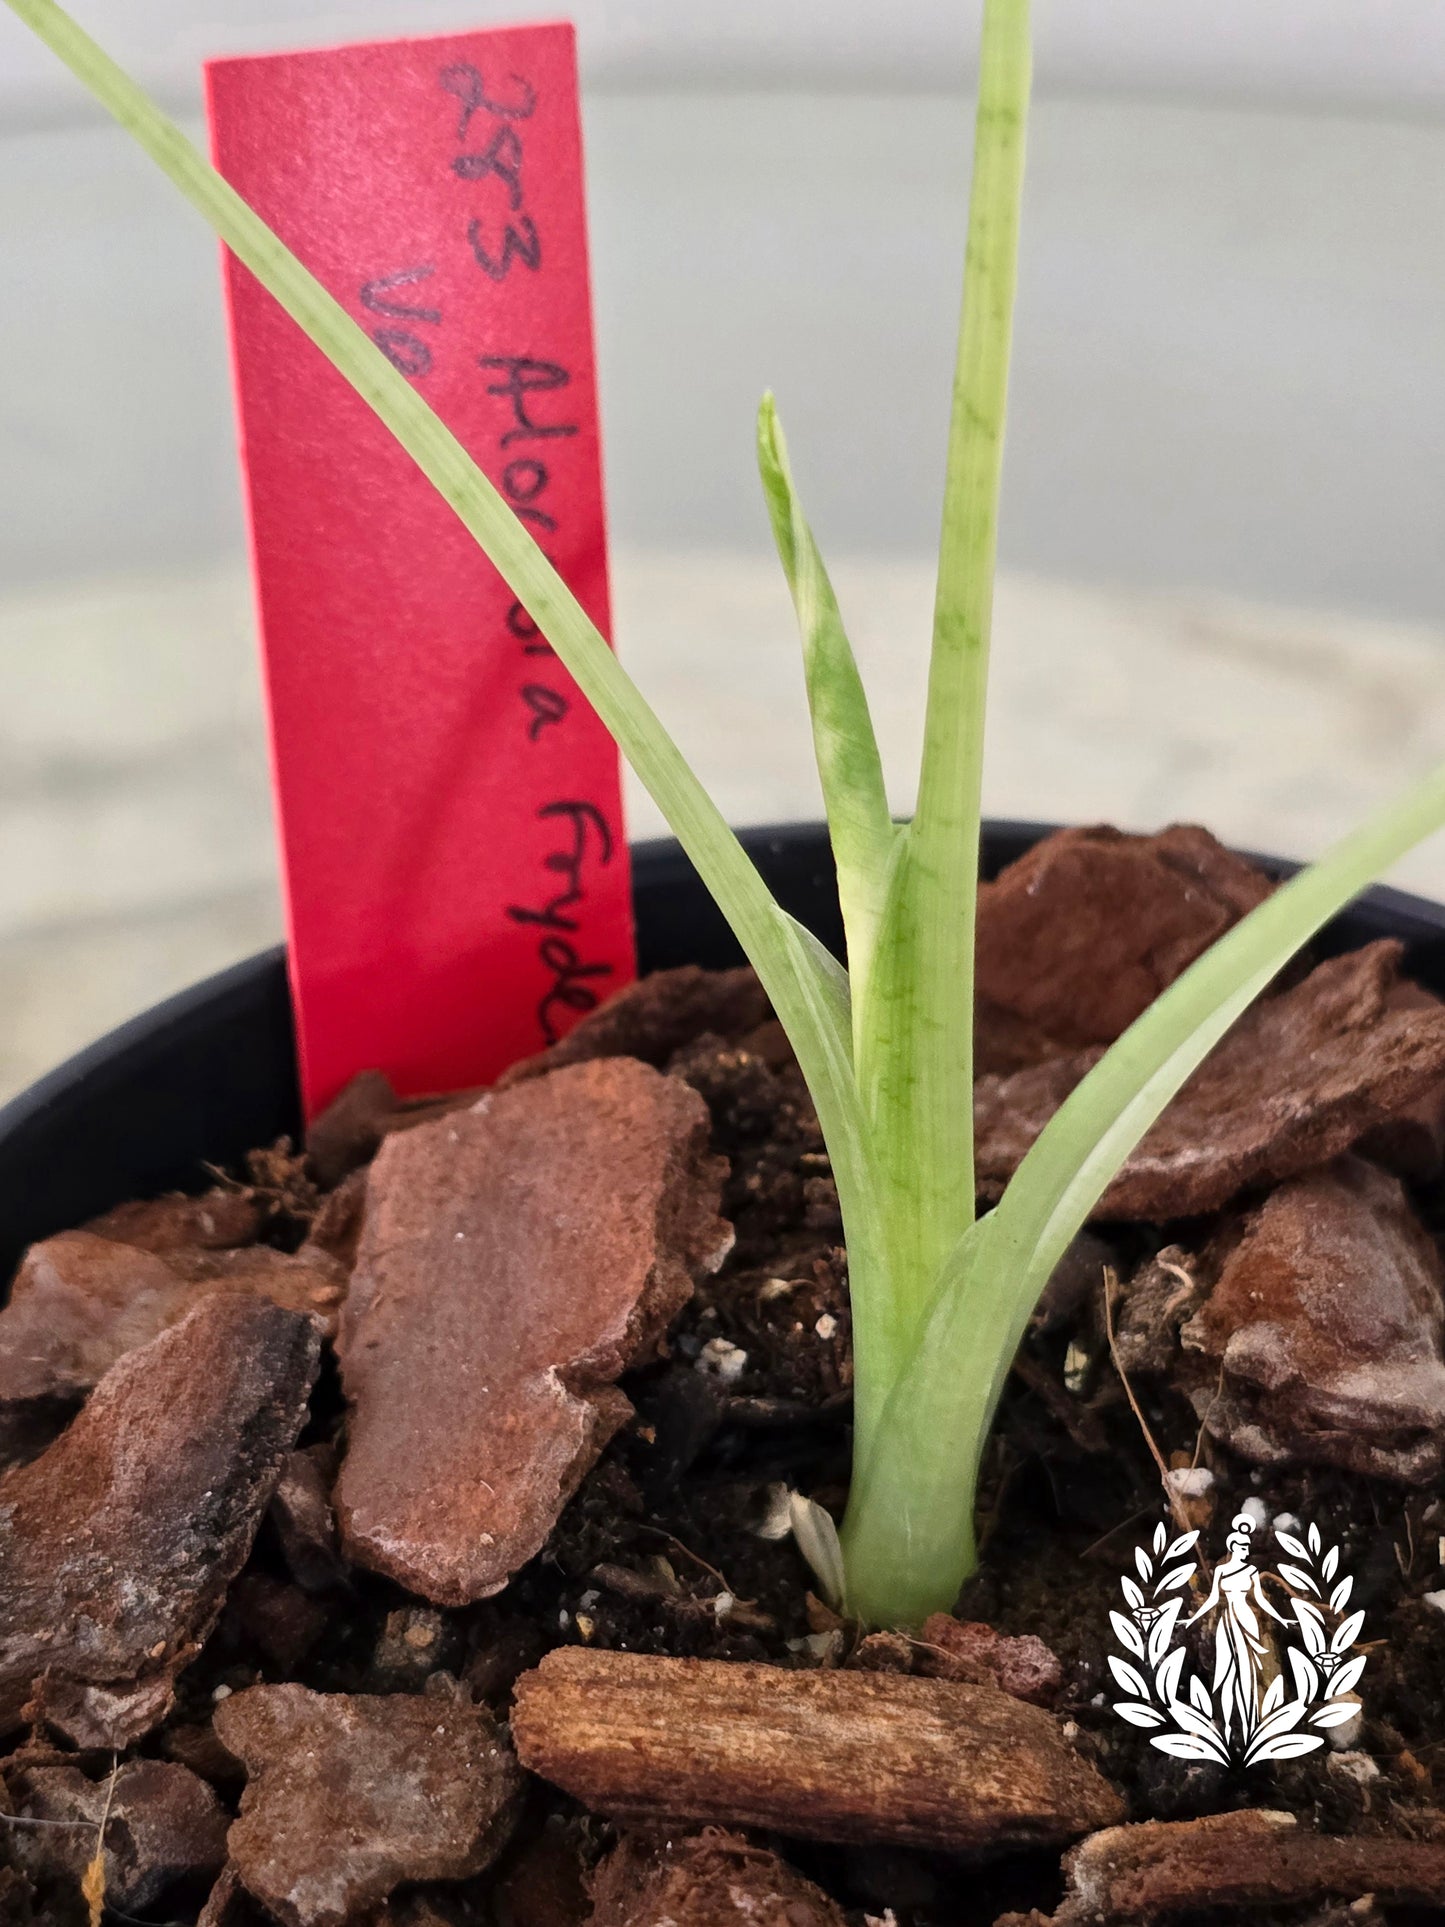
[1330,1564]
[1184,1543]
[1340,1597]
[1172,1581]
[1199,1693]
[1160,1539]
[1131,1592]
[1144,1563]
[1314,1540]
[817,1540]
[1292,1546]
[1274,1695]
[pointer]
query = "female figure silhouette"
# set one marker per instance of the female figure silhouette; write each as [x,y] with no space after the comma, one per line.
[1239,1645]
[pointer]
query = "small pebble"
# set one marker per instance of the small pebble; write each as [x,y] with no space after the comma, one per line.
[827,1326]
[1358,1767]
[1191,1481]
[1258,1511]
[1435,1600]
[777,1288]
[721,1359]
[1346,1737]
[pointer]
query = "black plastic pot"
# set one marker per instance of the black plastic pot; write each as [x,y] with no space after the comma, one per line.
[208,1075]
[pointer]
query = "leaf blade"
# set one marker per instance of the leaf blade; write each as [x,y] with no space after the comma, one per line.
[845,746]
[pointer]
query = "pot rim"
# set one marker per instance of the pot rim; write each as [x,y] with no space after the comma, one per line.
[203,1070]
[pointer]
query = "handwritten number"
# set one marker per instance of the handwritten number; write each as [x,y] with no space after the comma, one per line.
[520,243]
[502,157]
[464,81]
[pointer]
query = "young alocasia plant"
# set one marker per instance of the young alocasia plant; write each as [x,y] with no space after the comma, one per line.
[940,1296]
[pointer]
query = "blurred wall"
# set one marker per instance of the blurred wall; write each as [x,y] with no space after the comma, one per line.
[1230,369]
[1390,52]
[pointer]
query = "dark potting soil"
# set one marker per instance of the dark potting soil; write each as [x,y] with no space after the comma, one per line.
[676,1544]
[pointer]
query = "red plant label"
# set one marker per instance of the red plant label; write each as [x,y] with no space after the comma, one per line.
[456,874]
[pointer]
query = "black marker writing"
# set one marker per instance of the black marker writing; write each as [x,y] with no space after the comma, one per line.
[465,82]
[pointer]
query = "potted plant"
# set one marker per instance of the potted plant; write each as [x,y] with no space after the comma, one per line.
[1126,1233]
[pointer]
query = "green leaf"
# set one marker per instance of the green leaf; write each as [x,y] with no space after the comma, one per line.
[803,994]
[1084,1144]
[907,1538]
[914,1018]
[860,828]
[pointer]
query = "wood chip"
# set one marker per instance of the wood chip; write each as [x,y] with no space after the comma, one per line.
[1251,1859]
[715,1879]
[822,1756]
[517,1259]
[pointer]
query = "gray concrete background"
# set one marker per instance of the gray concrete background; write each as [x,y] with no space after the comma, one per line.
[1230,371]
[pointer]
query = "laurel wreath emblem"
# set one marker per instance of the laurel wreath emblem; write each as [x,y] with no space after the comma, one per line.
[1272,1697]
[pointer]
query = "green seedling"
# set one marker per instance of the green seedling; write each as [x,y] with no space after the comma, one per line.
[940,1295]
